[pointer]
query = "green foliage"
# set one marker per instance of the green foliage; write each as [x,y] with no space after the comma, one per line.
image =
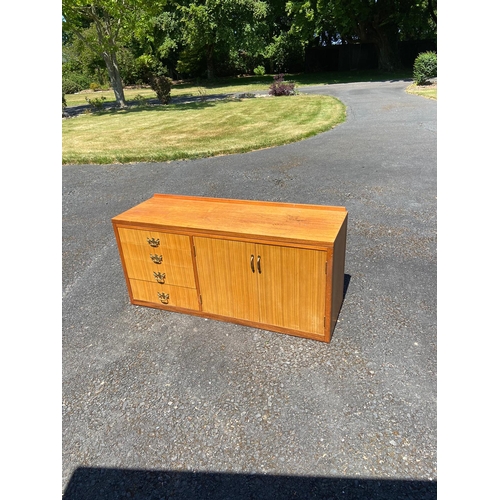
[209,26]
[383,23]
[279,87]
[162,85]
[140,99]
[74,82]
[260,70]
[96,104]
[114,25]
[285,52]
[191,63]
[217,38]
[425,67]
[94,86]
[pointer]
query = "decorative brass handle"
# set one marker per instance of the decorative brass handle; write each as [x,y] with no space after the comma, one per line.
[163,297]
[251,263]
[156,258]
[258,264]
[153,243]
[160,277]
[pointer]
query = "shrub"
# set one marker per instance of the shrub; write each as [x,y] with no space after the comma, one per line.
[94,86]
[70,86]
[73,82]
[162,85]
[280,87]
[425,67]
[96,104]
[141,100]
[260,70]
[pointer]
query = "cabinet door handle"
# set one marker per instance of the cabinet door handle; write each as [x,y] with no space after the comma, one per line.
[258,264]
[164,297]
[251,263]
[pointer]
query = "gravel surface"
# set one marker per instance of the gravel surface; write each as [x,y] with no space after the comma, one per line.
[164,405]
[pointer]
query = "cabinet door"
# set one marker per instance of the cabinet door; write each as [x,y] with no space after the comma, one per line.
[227,277]
[292,285]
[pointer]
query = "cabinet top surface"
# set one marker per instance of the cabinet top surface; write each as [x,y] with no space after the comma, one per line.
[281,221]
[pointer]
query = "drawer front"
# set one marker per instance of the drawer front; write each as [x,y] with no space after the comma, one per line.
[158,257]
[169,295]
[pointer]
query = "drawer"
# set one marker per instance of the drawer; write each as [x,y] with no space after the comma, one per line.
[170,295]
[158,257]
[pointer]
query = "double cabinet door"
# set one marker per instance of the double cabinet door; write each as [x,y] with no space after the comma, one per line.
[274,285]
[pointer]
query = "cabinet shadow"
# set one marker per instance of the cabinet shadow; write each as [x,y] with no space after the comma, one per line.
[88,483]
[347,280]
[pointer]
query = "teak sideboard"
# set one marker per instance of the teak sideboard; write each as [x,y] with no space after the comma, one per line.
[274,266]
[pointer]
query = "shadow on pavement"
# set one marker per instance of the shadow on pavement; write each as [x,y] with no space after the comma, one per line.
[103,484]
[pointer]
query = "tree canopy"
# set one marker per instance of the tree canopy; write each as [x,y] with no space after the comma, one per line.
[223,37]
[115,23]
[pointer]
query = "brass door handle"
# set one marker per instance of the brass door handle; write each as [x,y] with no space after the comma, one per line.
[164,297]
[258,264]
[251,263]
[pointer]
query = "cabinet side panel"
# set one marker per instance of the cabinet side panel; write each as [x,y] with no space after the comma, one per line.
[338,272]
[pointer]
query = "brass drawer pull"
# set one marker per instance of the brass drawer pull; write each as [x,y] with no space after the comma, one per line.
[258,264]
[164,297]
[157,259]
[159,277]
[153,242]
[251,263]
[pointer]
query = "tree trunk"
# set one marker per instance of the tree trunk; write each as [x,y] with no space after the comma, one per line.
[210,62]
[386,58]
[385,38]
[114,77]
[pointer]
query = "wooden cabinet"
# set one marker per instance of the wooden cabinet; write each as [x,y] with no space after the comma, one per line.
[275,266]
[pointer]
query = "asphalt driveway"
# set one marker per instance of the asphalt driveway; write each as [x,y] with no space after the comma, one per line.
[164,405]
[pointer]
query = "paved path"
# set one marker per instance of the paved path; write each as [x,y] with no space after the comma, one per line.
[163,405]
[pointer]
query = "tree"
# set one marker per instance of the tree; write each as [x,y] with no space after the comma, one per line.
[381,22]
[116,22]
[210,24]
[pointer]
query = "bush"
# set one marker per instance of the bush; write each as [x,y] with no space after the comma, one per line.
[280,87]
[141,100]
[162,85]
[73,82]
[94,86]
[425,67]
[96,104]
[260,70]
[70,86]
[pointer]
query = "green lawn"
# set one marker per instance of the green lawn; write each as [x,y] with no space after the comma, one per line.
[425,91]
[208,128]
[182,131]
